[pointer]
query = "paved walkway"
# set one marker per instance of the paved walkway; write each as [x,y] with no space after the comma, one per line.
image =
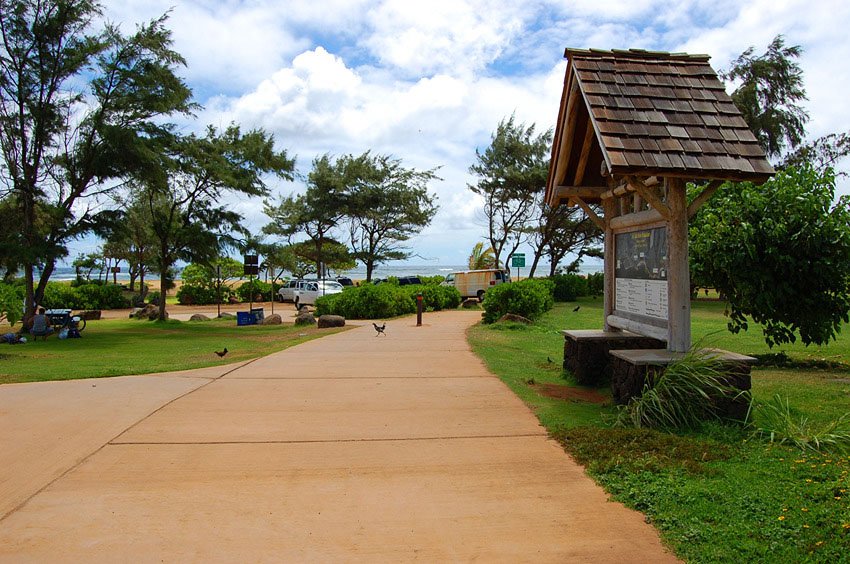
[348,448]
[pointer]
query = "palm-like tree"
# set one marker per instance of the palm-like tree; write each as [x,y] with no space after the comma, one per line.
[481,258]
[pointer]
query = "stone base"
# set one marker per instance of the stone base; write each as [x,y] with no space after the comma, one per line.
[632,368]
[586,352]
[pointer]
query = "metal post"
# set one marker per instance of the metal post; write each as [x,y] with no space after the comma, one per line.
[419,310]
[218,288]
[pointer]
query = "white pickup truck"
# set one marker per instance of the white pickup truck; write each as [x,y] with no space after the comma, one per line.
[306,294]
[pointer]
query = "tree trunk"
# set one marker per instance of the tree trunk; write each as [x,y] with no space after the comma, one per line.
[534,265]
[370,266]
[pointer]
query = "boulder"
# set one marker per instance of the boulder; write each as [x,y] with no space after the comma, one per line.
[516,318]
[326,321]
[470,303]
[226,315]
[305,318]
[199,317]
[271,320]
[90,315]
[150,311]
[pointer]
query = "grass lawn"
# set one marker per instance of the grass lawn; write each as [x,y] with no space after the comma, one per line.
[123,347]
[716,495]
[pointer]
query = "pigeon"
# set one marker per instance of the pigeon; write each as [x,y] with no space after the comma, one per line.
[576,308]
[221,353]
[380,329]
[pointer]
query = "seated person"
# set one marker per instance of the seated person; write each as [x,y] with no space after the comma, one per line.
[40,324]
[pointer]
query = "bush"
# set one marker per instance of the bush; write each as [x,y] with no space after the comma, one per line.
[11,302]
[595,284]
[253,288]
[153,298]
[568,287]
[88,296]
[528,298]
[191,294]
[368,302]
[432,280]
[436,298]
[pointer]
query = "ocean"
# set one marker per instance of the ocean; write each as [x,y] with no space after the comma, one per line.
[359,273]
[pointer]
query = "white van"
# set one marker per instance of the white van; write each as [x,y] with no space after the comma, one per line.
[473,283]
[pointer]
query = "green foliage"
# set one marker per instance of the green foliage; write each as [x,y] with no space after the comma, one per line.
[436,298]
[11,303]
[481,258]
[435,280]
[87,296]
[192,294]
[368,302]
[769,89]
[529,298]
[680,397]
[568,287]
[779,253]
[595,284]
[251,289]
[778,422]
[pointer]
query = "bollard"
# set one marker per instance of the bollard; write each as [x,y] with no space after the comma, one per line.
[419,310]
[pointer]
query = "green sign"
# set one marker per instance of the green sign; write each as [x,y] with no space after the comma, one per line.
[517,260]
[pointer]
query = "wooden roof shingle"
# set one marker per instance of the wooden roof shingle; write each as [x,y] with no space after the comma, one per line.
[653,114]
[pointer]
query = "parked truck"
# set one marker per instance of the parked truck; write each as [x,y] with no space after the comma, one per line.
[474,283]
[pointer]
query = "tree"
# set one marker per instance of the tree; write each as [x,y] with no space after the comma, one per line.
[511,171]
[129,235]
[386,206]
[481,258]
[78,111]
[190,220]
[779,253]
[318,211]
[558,231]
[769,89]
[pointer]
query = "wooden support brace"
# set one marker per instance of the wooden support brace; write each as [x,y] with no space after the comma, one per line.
[600,223]
[585,153]
[651,196]
[703,197]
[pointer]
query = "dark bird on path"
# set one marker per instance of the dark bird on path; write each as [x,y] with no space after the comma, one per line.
[380,329]
[221,353]
[576,308]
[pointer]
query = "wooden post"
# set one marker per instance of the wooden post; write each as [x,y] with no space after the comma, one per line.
[678,274]
[610,207]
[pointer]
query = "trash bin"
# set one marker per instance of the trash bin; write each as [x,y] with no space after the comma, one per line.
[258,314]
[245,318]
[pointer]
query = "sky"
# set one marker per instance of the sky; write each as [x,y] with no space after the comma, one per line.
[428,82]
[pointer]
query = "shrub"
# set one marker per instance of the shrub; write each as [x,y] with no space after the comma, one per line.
[87,296]
[191,294]
[568,287]
[595,284]
[432,280]
[11,303]
[528,298]
[435,298]
[153,298]
[368,302]
[253,288]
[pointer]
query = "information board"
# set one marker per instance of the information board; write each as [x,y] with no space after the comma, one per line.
[641,273]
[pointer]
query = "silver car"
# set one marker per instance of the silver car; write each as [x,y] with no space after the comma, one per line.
[308,292]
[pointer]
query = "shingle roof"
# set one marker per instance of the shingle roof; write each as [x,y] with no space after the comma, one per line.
[656,114]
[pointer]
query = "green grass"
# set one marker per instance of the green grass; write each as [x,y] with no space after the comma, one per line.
[716,494]
[124,347]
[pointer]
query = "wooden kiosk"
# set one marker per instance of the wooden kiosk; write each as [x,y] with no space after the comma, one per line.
[633,128]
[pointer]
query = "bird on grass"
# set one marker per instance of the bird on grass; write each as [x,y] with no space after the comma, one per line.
[380,329]
[221,353]
[577,308]
[549,359]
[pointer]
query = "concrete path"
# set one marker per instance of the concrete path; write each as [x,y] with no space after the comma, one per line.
[348,448]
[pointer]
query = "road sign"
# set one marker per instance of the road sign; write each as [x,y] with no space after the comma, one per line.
[517,260]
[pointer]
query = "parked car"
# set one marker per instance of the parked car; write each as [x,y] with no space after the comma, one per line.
[307,293]
[402,280]
[345,281]
[474,283]
[287,292]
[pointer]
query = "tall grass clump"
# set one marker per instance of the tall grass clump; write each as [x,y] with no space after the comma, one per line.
[778,422]
[681,397]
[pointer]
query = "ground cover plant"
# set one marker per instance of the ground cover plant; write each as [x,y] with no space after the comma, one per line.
[717,493]
[124,347]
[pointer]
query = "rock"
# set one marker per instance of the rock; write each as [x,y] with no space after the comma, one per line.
[150,311]
[226,315]
[305,318]
[271,320]
[326,321]
[199,317]
[470,303]
[516,318]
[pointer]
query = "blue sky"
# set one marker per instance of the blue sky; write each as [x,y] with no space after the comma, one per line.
[428,81]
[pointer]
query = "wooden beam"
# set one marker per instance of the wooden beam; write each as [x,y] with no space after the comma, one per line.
[567,192]
[600,223]
[567,132]
[586,145]
[609,206]
[678,273]
[636,327]
[646,217]
[651,196]
[703,197]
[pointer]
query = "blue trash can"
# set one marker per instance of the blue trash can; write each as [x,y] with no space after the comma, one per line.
[245,318]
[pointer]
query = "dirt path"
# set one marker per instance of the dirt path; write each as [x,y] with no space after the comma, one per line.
[348,448]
